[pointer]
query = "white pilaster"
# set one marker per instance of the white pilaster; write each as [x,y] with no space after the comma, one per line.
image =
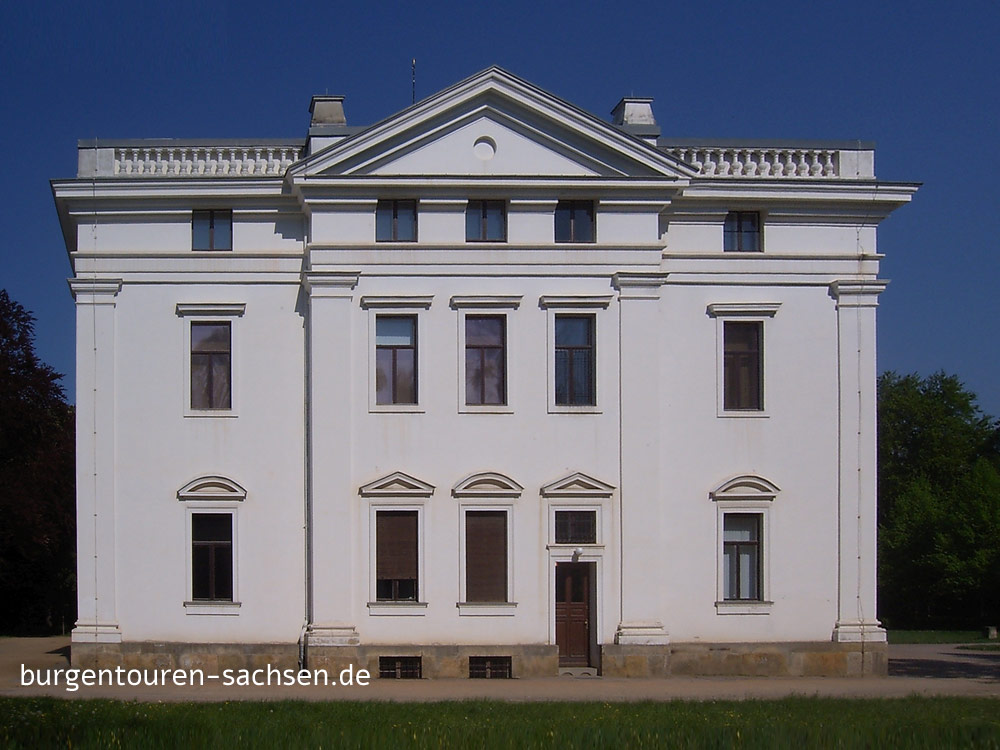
[857,490]
[97,612]
[333,507]
[639,383]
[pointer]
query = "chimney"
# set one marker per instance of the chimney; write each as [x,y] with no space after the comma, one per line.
[634,114]
[327,110]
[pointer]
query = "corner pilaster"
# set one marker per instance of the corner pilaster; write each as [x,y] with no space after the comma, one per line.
[857,485]
[97,609]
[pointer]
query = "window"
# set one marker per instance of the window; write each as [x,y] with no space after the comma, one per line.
[743,365]
[486,221]
[490,667]
[400,667]
[575,360]
[741,552]
[396,221]
[485,360]
[741,232]
[211,365]
[212,230]
[575,221]
[396,555]
[212,557]
[396,359]
[576,527]
[485,556]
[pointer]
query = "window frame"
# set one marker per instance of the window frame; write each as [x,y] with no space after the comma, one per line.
[761,313]
[579,305]
[739,233]
[394,307]
[387,607]
[395,204]
[574,206]
[194,606]
[745,495]
[212,214]
[504,608]
[230,313]
[484,204]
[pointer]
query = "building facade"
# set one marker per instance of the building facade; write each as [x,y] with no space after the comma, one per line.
[493,386]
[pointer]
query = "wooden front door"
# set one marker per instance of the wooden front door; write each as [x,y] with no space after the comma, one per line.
[573,613]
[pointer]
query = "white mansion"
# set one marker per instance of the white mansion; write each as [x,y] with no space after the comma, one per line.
[491,387]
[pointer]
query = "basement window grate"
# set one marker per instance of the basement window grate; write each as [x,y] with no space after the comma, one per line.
[399,667]
[490,667]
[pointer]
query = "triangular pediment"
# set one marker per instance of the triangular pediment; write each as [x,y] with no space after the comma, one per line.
[578,485]
[487,484]
[397,484]
[211,488]
[492,124]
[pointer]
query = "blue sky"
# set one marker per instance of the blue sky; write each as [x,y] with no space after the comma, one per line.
[917,78]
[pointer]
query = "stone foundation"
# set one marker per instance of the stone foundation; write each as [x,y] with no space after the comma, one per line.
[811,659]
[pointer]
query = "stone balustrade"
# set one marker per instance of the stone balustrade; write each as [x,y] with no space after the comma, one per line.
[204,161]
[720,161]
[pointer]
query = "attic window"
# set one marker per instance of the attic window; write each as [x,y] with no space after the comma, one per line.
[575,221]
[212,230]
[486,221]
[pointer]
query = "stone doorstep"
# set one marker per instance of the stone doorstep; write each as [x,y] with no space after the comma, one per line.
[806,659]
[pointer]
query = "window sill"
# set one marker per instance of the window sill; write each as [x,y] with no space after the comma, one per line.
[743,607]
[396,409]
[587,409]
[587,547]
[211,414]
[398,609]
[212,608]
[485,409]
[748,414]
[486,609]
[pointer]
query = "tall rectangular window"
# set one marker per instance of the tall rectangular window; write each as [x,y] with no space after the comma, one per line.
[741,551]
[211,365]
[485,360]
[743,365]
[486,556]
[396,221]
[741,233]
[396,555]
[575,221]
[396,359]
[212,556]
[575,360]
[486,221]
[212,230]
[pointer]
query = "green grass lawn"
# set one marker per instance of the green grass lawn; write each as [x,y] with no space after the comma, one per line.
[936,636]
[792,722]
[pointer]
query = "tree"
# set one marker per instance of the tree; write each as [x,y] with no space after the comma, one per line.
[939,503]
[37,494]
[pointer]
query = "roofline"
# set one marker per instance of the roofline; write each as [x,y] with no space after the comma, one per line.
[842,145]
[182,142]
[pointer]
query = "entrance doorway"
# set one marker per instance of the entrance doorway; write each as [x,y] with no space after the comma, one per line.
[576,634]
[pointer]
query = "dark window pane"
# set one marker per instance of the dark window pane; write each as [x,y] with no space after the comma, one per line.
[406,221]
[496,221]
[396,555]
[406,377]
[493,376]
[474,221]
[383,221]
[564,226]
[473,376]
[210,337]
[741,556]
[581,377]
[742,365]
[222,224]
[583,223]
[484,330]
[572,331]
[201,397]
[486,556]
[223,572]
[212,527]
[383,376]
[562,376]
[201,573]
[221,391]
[201,229]
[406,589]
[741,232]
[576,527]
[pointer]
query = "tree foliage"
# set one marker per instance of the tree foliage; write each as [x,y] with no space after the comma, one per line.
[37,496]
[939,504]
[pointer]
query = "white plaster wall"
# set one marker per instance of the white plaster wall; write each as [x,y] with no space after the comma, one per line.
[159,450]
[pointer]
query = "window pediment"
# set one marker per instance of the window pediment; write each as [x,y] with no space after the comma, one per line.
[212,488]
[577,485]
[746,487]
[487,484]
[397,484]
